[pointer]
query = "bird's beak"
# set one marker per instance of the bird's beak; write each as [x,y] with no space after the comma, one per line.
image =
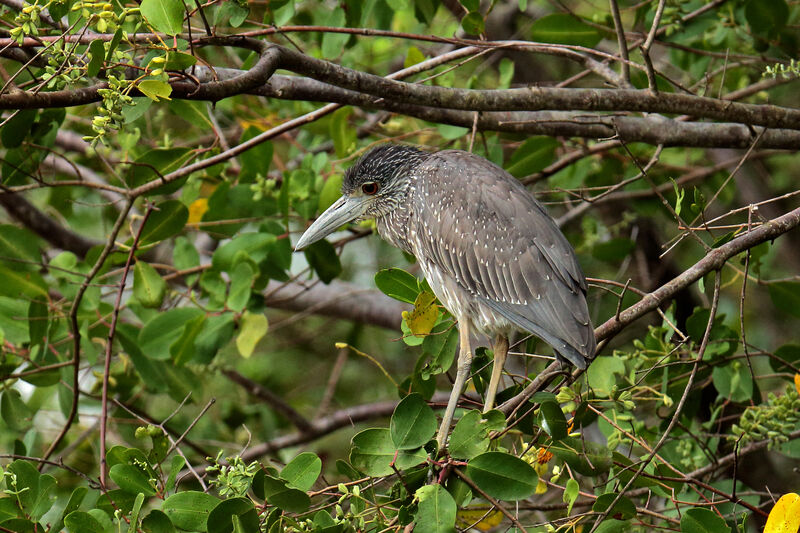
[345,209]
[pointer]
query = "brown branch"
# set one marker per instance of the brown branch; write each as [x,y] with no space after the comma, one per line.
[713,260]
[651,129]
[112,329]
[338,299]
[540,98]
[75,326]
[496,504]
[329,424]
[24,212]
[275,402]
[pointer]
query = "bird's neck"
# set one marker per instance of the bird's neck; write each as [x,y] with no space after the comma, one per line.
[393,225]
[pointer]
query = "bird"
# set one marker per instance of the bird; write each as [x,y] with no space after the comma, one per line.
[489,250]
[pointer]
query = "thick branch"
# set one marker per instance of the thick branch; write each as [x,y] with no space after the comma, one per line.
[329,424]
[714,260]
[652,129]
[25,213]
[540,98]
[338,299]
[377,87]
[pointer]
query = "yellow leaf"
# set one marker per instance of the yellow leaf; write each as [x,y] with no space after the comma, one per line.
[197,209]
[422,319]
[481,519]
[797,382]
[785,516]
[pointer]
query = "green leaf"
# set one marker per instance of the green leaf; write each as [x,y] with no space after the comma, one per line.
[333,43]
[766,16]
[449,132]
[156,163]
[284,13]
[532,156]
[75,500]
[156,90]
[372,451]
[552,420]
[302,471]
[157,522]
[97,53]
[473,23]
[503,476]
[216,334]
[33,488]
[160,332]
[470,437]
[279,494]
[256,160]
[785,296]
[242,278]
[82,522]
[196,113]
[19,243]
[149,287]
[17,128]
[570,496]
[189,509]
[622,510]
[601,373]
[436,511]
[563,28]
[423,317]
[699,520]
[165,16]
[37,322]
[179,61]
[613,250]
[221,519]
[15,413]
[425,10]
[413,56]
[733,381]
[441,346]
[234,12]
[398,284]
[585,457]
[252,245]
[131,479]
[175,466]
[167,219]
[21,284]
[342,133]
[506,70]
[331,190]
[252,328]
[115,500]
[322,258]
[183,350]
[413,423]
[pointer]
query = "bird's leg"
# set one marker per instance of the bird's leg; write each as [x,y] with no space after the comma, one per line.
[500,352]
[462,373]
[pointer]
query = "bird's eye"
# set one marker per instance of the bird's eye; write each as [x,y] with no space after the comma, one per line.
[370,188]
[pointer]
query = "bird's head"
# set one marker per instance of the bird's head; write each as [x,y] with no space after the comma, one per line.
[371,188]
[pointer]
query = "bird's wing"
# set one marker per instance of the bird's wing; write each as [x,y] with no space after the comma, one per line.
[499,244]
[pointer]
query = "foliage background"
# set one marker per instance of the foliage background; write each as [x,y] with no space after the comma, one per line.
[158,159]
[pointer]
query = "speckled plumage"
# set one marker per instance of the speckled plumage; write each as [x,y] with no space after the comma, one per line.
[489,250]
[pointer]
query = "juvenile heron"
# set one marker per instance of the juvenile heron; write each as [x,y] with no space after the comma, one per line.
[489,250]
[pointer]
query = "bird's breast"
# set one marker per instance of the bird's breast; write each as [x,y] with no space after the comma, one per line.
[464,306]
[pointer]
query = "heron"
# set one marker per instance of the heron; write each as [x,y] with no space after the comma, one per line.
[490,252]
